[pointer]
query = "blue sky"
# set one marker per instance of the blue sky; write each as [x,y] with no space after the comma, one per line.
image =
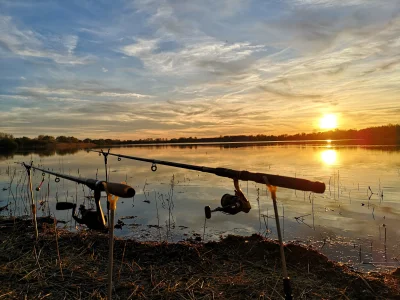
[137,69]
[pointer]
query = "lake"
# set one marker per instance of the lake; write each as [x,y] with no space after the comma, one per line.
[356,220]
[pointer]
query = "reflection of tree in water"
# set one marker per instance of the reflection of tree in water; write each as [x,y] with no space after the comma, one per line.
[4,155]
[67,151]
[45,152]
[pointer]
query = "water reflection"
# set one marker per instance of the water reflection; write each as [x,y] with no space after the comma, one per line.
[344,215]
[328,156]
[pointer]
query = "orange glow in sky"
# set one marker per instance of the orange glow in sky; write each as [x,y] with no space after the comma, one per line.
[198,69]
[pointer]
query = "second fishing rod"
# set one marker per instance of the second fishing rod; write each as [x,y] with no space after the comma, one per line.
[275,180]
[230,204]
[233,204]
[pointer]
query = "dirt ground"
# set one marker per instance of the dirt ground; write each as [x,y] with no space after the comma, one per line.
[65,265]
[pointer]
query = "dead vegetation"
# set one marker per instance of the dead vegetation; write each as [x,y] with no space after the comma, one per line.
[234,268]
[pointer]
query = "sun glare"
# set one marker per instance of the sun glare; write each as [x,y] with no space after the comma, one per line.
[328,156]
[328,122]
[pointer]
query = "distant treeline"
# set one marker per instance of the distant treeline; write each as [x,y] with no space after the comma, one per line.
[8,143]
[382,135]
[388,134]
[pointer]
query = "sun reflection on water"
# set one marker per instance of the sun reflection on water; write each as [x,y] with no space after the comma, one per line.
[328,156]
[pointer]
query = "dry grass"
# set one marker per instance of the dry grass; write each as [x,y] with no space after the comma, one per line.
[234,268]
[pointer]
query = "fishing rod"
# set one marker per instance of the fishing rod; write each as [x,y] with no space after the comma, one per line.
[92,219]
[233,204]
[276,180]
[117,189]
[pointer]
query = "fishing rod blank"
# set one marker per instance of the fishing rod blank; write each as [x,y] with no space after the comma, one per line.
[276,180]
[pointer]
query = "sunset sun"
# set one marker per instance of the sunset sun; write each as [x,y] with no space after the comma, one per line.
[328,121]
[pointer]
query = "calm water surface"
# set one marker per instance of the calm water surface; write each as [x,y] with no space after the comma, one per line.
[348,222]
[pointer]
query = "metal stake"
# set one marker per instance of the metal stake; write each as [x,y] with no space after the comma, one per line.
[286,280]
[113,206]
[33,206]
[105,155]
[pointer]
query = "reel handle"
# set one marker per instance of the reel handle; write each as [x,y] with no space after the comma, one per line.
[208,211]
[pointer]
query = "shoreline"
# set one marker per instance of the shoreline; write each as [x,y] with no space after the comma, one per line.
[71,148]
[235,267]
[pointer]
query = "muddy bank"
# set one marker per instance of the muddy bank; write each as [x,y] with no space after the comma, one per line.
[234,268]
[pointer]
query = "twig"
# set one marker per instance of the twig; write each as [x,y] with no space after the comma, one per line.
[58,250]
[122,261]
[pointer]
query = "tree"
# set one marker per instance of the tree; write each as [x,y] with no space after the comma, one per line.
[7,143]
[46,138]
[62,139]
[4,135]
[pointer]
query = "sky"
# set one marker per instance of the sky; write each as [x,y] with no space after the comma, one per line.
[176,68]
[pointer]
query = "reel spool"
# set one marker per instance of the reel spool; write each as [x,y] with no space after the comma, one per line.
[93,219]
[231,204]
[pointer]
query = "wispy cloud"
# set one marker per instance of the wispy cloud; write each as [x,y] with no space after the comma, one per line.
[70,42]
[334,3]
[30,44]
[287,94]
[140,48]
[206,54]
[109,93]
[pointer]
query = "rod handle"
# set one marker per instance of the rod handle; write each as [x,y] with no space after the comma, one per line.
[276,180]
[292,183]
[65,205]
[120,190]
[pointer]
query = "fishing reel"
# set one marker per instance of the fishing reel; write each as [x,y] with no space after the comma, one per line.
[93,219]
[231,204]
